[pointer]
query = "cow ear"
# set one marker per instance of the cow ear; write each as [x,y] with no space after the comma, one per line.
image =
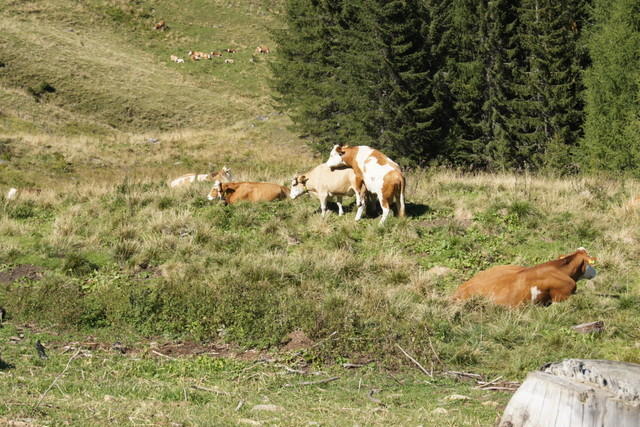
[303,179]
[340,150]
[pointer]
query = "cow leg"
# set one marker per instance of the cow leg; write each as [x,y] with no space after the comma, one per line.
[562,293]
[384,204]
[339,202]
[360,190]
[323,203]
[560,290]
[360,211]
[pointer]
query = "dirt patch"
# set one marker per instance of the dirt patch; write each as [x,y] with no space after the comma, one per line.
[297,340]
[22,271]
[188,348]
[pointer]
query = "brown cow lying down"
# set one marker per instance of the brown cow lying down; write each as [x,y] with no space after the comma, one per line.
[512,285]
[234,192]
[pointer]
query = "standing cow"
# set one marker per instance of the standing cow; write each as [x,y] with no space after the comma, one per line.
[324,183]
[379,174]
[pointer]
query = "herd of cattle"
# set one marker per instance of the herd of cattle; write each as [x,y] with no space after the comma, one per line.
[363,171]
[197,56]
[356,171]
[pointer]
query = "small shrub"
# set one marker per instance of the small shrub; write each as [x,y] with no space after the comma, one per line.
[40,89]
[78,265]
[23,210]
[165,202]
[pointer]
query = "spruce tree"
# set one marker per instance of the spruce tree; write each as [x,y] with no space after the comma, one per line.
[305,73]
[399,74]
[465,81]
[612,140]
[549,85]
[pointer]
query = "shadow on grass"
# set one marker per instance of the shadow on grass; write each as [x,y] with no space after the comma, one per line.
[416,209]
[4,365]
[374,210]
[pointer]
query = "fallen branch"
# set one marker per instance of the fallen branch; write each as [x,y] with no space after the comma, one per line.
[464,374]
[324,381]
[500,388]
[355,365]
[293,371]
[373,399]
[484,384]
[163,355]
[55,380]
[415,361]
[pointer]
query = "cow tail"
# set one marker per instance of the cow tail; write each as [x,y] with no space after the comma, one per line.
[403,184]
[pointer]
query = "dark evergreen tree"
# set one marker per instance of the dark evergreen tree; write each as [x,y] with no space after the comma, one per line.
[306,72]
[549,95]
[612,140]
[465,80]
[501,56]
[400,74]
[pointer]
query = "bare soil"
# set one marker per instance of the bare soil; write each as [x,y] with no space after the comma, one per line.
[22,271]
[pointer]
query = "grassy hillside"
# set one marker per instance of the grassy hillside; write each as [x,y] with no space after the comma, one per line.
[108,69]
[97,244]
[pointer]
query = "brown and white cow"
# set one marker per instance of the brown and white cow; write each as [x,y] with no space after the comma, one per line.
[380,175]
[262,49]
[234,192]
[223,175]
[196,56]
[324,183]
[513,285]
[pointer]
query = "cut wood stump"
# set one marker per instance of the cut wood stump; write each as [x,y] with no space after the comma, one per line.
[585,328]
[577,393]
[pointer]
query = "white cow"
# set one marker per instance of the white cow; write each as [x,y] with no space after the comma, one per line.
[12,194]
[224,175]
[381,176]
[324,183]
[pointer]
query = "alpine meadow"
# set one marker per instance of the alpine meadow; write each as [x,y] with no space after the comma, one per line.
[126,301]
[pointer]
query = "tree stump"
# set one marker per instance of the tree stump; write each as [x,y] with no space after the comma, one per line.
[577,393]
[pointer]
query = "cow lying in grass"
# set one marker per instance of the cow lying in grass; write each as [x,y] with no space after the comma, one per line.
[380,175]
[324,183]
[223,175]
[513,285]
[234,192]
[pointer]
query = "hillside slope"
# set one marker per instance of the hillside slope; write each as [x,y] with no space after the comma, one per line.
[93,67]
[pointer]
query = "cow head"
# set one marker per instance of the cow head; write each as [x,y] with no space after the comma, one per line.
[584,263]
[587,270]
[335,158]
[226,172]
[216,192]
[298,186]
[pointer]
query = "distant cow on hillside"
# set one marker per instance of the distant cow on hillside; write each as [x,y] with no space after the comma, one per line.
[262,49]
[223,175]
[160,26]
